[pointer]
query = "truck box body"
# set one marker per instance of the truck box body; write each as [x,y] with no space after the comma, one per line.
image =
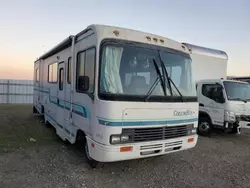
[208,63]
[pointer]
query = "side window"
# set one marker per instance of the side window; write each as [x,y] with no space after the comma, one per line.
[37,75]
[86,67]
[90,67]
[69,71]
[212,91]
[80,64]
[61,78]
[52,73]
[207,90]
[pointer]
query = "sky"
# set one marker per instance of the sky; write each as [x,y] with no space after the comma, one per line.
[30,27]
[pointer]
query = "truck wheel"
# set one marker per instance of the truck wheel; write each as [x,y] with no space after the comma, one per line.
[93,163]
[235,130]
[204,126]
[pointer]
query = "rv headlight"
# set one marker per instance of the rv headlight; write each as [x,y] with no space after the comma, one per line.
[117,139]
[191,129]
[124,138]
[229,116]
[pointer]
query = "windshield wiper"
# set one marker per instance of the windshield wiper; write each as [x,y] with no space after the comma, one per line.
[182,98]
[152,88]
[170,80]
[165,75]
[162,79]
[159,78]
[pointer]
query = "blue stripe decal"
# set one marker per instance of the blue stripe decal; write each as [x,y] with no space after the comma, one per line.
[141,123]
[77,109]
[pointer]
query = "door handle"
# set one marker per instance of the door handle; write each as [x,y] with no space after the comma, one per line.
[200,104]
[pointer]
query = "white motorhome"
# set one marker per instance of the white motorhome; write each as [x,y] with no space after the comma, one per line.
[222,103]
[108,88]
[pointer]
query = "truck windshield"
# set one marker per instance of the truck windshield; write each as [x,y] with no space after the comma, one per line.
[237,91]
[127,72]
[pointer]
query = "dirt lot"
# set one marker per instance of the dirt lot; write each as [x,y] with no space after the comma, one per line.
[220,161]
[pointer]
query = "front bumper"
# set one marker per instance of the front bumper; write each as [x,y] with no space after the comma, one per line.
[104,153]
[244,118]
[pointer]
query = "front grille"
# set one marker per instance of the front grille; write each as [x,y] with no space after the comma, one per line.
[159,133]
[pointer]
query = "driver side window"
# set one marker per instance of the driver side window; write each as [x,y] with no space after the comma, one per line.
[213,92]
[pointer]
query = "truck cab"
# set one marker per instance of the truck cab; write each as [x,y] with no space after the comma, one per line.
[222,104]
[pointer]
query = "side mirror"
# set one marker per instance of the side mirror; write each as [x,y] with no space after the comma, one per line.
[83,83]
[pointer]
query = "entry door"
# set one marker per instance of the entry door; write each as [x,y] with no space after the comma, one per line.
[209,102]
[217,113]
[61,96]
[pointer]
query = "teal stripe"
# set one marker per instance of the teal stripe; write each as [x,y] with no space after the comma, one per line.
[145,123]
[77,109]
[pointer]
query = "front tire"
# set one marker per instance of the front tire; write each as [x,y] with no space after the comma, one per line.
[234,130]
[93,163]
[204,126]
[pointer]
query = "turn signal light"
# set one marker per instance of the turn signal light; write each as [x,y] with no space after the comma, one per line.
[190,140]
[126,148]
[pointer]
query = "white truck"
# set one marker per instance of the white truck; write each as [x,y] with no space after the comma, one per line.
[122,94]
[222,103]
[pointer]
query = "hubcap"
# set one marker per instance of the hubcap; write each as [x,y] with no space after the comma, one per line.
[204,126]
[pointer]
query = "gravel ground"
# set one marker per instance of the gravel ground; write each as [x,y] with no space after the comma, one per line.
[223,160]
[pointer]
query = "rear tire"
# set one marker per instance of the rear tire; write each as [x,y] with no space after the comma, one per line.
[35,110]
[204,126]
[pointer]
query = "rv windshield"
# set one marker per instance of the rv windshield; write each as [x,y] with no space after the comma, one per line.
[127,72]
[237,91]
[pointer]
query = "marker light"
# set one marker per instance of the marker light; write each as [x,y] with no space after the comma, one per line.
[148,38]
[155,39]
[116,32]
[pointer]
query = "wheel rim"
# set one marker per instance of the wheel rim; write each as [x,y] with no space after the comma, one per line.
[204,126]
